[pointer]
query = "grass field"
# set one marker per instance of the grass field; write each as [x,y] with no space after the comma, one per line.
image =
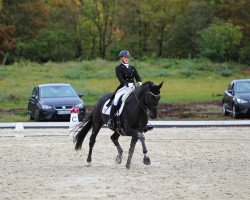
[185,81]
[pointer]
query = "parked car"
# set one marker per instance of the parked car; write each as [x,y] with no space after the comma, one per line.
[54,101]
[236,99]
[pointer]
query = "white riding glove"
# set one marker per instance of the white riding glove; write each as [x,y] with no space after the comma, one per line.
[139,83]
[131,85]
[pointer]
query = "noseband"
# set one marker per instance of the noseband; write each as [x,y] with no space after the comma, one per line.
[155,95]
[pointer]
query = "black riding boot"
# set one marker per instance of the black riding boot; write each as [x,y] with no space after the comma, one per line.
[111,122]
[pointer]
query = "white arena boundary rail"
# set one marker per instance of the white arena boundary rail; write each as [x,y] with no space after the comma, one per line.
[159,124]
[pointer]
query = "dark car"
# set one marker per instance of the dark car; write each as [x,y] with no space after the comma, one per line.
[236,98]
[54,101]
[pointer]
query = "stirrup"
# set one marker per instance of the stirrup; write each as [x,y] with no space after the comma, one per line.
[148,128]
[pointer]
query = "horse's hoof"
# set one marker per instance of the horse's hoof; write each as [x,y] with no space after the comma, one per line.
[128,166]
[118,159]
[146,161]
[88,164]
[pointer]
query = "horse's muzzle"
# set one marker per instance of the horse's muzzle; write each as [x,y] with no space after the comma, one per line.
[153,114]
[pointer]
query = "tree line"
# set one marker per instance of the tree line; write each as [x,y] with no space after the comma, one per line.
[61,30]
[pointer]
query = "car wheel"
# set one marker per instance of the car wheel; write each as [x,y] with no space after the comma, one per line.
[235,114]
[224,110]
[37,116]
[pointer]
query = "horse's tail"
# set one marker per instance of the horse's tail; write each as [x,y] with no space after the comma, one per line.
[84,127]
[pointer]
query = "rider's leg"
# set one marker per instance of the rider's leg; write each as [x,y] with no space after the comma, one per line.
[127,93]
[111,116]
[114,107]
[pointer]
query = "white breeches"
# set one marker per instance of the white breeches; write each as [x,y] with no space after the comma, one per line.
[124,90]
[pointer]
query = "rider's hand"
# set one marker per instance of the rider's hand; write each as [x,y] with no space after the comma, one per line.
[139,83]
[131,85]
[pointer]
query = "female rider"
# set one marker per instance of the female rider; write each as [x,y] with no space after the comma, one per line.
[126,75]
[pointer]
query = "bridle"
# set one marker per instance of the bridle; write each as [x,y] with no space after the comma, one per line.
[155,95]
[144,107]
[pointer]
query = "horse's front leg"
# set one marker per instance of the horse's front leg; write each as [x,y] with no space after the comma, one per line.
[146,159]
[131,151]
[136,135]
[114,139]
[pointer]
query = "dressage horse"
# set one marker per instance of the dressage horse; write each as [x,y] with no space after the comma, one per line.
[134,119]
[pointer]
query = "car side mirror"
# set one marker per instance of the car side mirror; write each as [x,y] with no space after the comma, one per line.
[33,96]
[230,91]
[80,95]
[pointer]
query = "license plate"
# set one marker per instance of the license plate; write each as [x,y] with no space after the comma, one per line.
[63,112]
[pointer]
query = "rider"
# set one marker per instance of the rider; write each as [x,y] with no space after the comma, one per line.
[126,75]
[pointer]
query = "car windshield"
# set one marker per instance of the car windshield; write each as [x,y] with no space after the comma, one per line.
[243,87]
[57,91]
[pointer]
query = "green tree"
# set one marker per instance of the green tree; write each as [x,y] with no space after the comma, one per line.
[134,24]
[101,28]
[102,15]
[237,13]
[6,41]
[220,41]
[28,16]
[69,15]
[163,28]
[90,39]
[54,45]
[161,20]
[191,17]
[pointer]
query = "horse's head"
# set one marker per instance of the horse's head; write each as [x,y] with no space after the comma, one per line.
[152,97]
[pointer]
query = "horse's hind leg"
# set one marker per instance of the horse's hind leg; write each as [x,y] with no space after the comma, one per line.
[114,139]
[131,151]
[95,131]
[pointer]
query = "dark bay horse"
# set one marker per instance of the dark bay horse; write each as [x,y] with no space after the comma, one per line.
[134,119]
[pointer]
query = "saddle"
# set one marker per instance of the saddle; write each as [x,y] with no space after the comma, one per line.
[107,105]
[107,108]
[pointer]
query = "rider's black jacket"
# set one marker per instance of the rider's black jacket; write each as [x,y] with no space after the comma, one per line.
[126,75]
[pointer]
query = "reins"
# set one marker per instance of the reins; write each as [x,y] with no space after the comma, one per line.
[141,104]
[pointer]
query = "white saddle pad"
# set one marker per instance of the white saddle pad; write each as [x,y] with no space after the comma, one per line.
[106,109]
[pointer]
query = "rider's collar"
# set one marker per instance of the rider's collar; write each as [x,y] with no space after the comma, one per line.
[126,65]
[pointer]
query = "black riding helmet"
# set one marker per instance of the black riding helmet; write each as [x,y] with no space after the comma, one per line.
[124,53]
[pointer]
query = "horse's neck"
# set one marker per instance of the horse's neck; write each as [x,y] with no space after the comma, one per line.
[140,95]
[136,105]
[139,100]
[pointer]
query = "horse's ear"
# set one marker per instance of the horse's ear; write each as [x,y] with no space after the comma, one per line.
[159,86]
